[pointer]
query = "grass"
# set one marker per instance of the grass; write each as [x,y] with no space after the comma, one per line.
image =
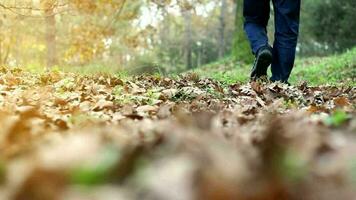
[90,69]
[226,71]
[333,70]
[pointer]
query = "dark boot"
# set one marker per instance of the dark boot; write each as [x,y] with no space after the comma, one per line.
[262,62]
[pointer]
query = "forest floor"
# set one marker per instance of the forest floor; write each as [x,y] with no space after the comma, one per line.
[100,137]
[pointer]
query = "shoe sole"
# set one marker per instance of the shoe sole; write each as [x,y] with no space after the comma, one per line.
[262,63]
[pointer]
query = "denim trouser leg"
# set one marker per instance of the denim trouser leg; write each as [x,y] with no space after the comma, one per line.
[286,13]
[256,14]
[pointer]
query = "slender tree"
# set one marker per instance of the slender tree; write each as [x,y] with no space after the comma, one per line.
[222,43]
[50,22]
[188,38]
[241,49]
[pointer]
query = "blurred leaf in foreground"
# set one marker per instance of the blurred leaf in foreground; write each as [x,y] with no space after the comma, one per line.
[97,171]
[337,118]
[353,170]
[2,171]
[292,167]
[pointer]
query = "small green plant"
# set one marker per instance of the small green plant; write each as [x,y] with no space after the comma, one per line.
[214,93]
[152,96]
[336,119]
[81,119]
[118,90]
[289,103]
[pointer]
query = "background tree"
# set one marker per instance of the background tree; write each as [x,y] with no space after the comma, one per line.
[50,21]
[327,26]
[241,47]
[222,28]
[187,15]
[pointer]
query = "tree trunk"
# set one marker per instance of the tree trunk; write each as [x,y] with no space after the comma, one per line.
[199,57]
[1,54]
[188,38]
[4,53]
[241,48]
[222,29]
[50,37]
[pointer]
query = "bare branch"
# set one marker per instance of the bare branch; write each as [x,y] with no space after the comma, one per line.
[32,8]
[117,14]
[16,9]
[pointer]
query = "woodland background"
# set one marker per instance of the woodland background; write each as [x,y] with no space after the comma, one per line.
[152,35]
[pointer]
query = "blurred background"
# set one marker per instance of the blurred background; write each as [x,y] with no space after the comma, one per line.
[153,35]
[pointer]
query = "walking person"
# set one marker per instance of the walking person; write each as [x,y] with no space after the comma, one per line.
[282,55]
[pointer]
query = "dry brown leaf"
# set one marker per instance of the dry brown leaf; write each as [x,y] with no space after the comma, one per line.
[341,101]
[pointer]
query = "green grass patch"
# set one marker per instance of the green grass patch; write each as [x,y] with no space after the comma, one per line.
[333,70]
[89,69]
[226,71]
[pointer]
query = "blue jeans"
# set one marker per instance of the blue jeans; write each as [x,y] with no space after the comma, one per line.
[286,14]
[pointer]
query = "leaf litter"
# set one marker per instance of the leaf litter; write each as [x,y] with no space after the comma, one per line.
[70,136]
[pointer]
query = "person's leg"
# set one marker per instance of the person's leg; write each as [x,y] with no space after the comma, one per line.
[256,15]
[287,14]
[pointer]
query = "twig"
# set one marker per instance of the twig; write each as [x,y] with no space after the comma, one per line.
[117,14]
[14,9]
